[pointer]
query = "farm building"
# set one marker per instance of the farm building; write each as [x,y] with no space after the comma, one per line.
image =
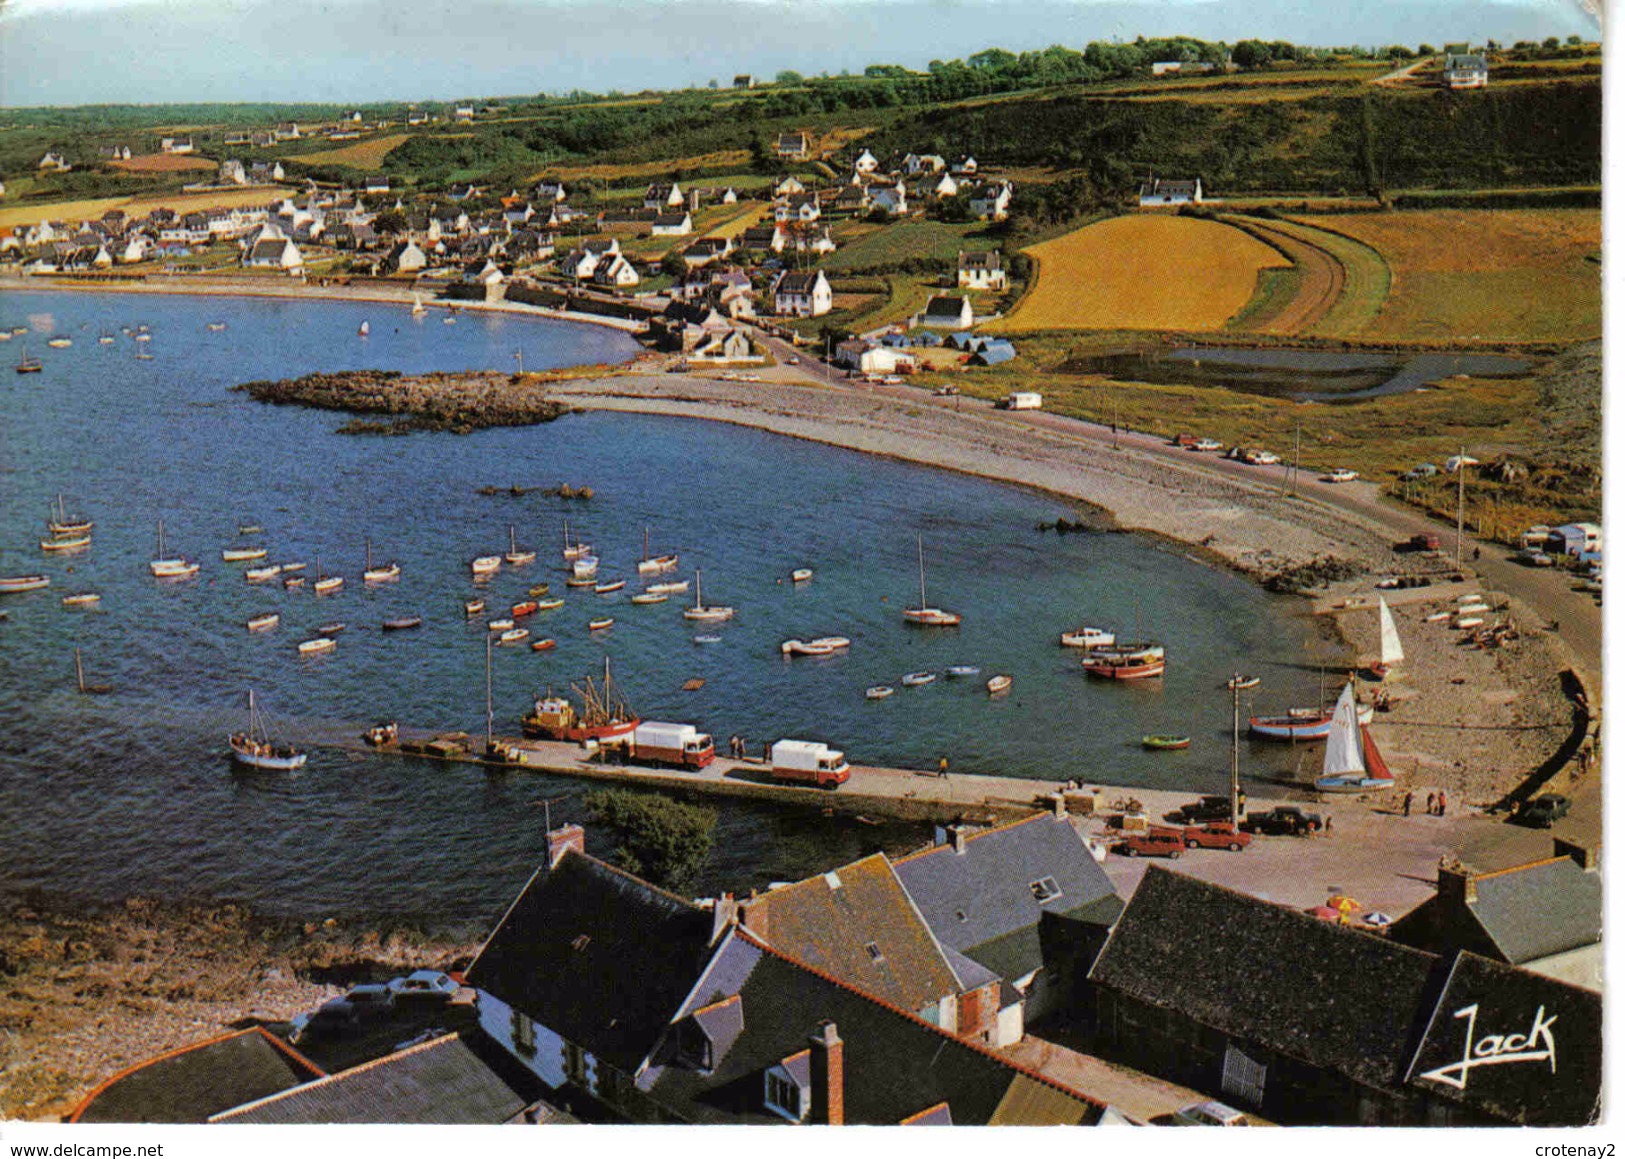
[949,311]
[176,145]
[1158,192]
[672,225]
[1578,538]
[54,162]
[663,197]
[231,172]
[869,358]
[792,146]
[992,353]
[1464,71]
[981,271]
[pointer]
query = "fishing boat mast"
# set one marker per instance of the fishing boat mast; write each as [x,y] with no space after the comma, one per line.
[489,714]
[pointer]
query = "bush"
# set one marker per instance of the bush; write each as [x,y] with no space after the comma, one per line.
[662,841]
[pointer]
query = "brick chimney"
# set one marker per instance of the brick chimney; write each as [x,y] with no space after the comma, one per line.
[828,1064]
[1458,885]
[1585,856]
[958,836]
[563,838]
[1057,804]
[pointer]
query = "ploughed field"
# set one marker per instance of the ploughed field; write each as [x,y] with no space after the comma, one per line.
[361,155]
[1150,272]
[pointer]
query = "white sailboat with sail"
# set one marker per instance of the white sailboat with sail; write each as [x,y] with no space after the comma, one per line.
[1391,650]
[1352,763]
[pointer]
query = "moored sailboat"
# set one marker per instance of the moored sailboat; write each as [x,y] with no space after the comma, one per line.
[1390,650]
[1352,763]
[654,564]
[380,574]
[255,748]
[171,567]
[925,615]
[514,555]
[701,612]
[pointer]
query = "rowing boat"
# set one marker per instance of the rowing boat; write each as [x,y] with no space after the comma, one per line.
[1165,743]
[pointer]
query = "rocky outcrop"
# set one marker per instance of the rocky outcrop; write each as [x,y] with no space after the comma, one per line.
[460,403]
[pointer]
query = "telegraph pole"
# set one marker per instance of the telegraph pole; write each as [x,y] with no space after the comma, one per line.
[1461,501]
[1235,749]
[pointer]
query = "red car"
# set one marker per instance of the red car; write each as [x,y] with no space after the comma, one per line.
[1165,843]
[1217,835]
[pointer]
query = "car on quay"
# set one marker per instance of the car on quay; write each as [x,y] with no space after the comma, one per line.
[1217,835]
[1169,843]
[1282,821]
[1208,808]
[424,986]
[1207,445]
[1534,557]
[1543,811]
[1211,1113]
[344,1015]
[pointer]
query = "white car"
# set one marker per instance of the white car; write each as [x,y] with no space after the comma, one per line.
[1212,1114]
[427,984]
[1341,475]
[1207,445]
[793,361]
[1263,458]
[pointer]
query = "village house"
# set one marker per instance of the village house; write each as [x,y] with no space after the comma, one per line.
[53,162]
[179,146]
[851,200]
[418,117]
[893,199]
[981,271]
[1464,70]
[376,186]
[1157,192]
[706,249]
[786,185]
[634,217]
[946,311]
[798,207]
[992,201]
[815,241]
[791,147]
[762,238]
[113,153]
[917,163]
[463,113]
[275,254]
[263,140]
[672,225]
[231,172]
[866,163]
[615,272]
[744,81]
[1184,991]
[135,247]
[802,294]
[551,191]
[611,990]
[405,258]
[732,345]
[1545,916]
[663,197]
[964,167]
[236,137]
[287,131]
[865,357]
[940,185]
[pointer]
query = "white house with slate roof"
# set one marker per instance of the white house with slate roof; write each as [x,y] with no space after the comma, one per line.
[1157,192]
[981,271]
[802,294]
[947,310]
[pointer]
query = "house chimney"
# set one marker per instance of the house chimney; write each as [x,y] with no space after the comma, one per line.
[1057,802]
[1458,885]
[828,1076]
[725,913]
[563,838]
[959,836]
[1585,856]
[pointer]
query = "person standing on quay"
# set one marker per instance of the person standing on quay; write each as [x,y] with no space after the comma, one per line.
[942,768]
[1430,804]
[1441,802]
[1409,797]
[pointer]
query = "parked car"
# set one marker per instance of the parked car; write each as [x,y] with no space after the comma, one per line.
[946,391]
[793,360]
[1534,557]
[331,1019]
[1207,445]
[1283,820]
[1209,808]
[1421,542]
[424,985]
[1217,835]
[1341,475]
[371,999]
[1543,811]
[1420,471]
[1212,1114]
[1157,843]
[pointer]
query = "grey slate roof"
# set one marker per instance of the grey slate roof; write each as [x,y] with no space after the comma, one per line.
[1540,909]
[1220,958]
[597,956]
[896,1065]
[442,1081]
[1561,1091]
[980,897]
[190,1085]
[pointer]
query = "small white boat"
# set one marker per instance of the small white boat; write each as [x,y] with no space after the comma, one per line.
[574,551]
[1472,609]
[106,340]
[143,337]
[584,567]
[473,607]
[1088,637]
[217,326]
[293,581]
[296,566]
[917,679]
[805,648]
[418,308]
[327,585]
[364,329]
[62,525]
[1470,598]
[255,749]
[1470,622]
[998,684]
[879,692]
[1242,683]
[382,574]
[59,342]
[675,587]
[318,645]
[831,642]
[170,567]
[402,623]
[605,589]
[264,622]
[242,554]
[549,605]
[81,600]
[183,571]
[332,629]
[650,598]
[501,625]
[600,624]
[71,543]
[708,639]
[801,575]
[486,565]
[583,582]
[514,636]
[654,564]
[964,670]
[700,611]
[514,555]
[258,575]
[1436,617]
[23,583]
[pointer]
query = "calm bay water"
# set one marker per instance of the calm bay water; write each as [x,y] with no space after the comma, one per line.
[132,792]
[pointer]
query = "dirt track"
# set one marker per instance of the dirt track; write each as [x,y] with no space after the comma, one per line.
[1322,284]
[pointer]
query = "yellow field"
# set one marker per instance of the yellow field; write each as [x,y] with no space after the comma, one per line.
[1145,272]
[739,224]
[89,210]
[651,169]
[1503,275]
[361,155]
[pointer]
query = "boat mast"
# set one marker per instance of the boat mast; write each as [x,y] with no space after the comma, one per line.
[79,669]
[919,546]
[489,727]
[1461,501]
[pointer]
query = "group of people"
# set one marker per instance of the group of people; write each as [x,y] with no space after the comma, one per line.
[1435,803]
[736,747]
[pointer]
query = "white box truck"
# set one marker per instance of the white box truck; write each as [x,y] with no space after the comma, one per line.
[809,761]
[1023,400]
[663,743]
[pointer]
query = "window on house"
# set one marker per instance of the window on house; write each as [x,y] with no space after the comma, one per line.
[784,1097]
[873,949]
[961,915]
[524,1033]
[575,1064]
[1045,889]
